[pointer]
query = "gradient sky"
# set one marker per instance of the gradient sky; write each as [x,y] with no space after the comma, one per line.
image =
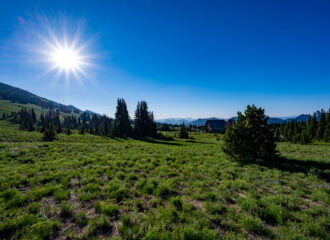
[185,58]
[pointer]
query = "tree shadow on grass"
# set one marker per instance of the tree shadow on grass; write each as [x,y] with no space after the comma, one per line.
[193,141]
[114,138]
[319,169]
[153,140]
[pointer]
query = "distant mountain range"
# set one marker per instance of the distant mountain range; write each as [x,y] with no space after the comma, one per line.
[186,121]
[201,121]
[17,95]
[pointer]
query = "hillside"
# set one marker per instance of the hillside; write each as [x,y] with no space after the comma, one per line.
[20,96]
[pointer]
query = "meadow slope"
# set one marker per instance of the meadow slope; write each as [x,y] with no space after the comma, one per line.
[90,187]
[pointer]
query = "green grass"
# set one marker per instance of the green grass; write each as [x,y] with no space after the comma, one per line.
[90,187]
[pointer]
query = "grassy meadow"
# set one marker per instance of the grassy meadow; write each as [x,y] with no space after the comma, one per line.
[91,187]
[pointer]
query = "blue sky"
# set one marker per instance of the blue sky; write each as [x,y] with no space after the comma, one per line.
[185,58]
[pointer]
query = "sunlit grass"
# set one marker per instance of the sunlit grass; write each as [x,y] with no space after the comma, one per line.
[86,186]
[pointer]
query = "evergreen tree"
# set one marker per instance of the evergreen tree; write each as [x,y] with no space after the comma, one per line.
[141,120]
[165,127]
[104,129]
[326,136]
[26,120]
[33,116]
[94,125]
[59,129]
[183,132]
[30,126]
[305,138]
[67,125]
[81,129]
[250,138]
[321,126]
[152,127]
[312,126]
[144,124]
[122,126]
[49,134]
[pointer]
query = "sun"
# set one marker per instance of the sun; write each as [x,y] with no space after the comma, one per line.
[68,56]
[67,59]
[60,49]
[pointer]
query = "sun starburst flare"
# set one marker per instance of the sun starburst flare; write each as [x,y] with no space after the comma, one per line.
[67,58]
[58,44]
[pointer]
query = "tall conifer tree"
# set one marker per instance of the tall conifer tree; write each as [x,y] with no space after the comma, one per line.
[122,126]
[321,126]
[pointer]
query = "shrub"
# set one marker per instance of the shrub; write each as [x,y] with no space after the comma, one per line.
[60,194]
[65,210]
[8,228]
[34,207]
[127,228]
[106,208]
[49,133]
[183,132]
[253,224]
[192,233]
[45,229]
[163,190]
[250,138]
[81,219]
[98,225]
[115,190]
[176,202]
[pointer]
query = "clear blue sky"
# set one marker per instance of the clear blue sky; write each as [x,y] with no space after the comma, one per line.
[185,58]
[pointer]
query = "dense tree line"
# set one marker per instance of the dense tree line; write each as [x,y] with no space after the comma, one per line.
[315,129]
[27,119]
[52,123]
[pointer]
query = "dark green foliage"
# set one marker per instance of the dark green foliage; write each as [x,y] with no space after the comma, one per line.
[65,210]
[44,229]
[81,129]
[250,138]
[305,132]
[104,127]
[312,126]
[304,137]
[144,124]
[67,125]
[183,132]
[321,126]
[327,129]
[49,133]
[165,127]
[26,119]
[176,202]
[109,209]
[98,225]
[59,129]
[122,126]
